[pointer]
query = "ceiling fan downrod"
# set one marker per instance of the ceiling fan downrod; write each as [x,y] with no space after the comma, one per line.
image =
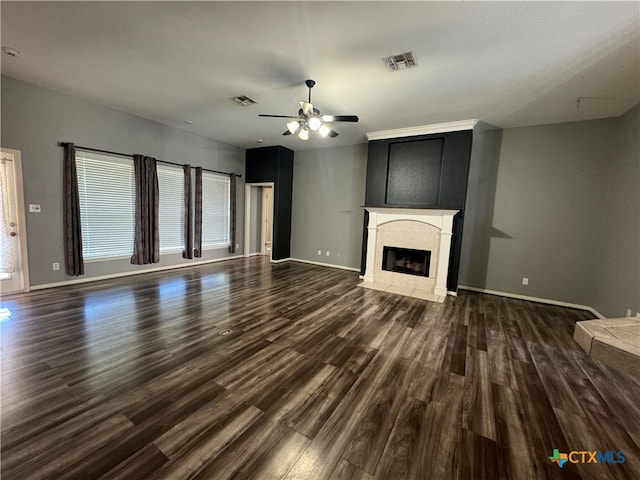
[310,83]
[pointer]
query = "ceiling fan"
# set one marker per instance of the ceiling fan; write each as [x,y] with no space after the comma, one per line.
[309,118]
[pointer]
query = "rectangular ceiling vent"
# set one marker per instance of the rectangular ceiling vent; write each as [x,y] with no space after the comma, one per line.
[244,101]
[400,62]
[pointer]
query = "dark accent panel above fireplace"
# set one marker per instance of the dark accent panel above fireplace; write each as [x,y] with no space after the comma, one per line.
[411,167]
[424,171]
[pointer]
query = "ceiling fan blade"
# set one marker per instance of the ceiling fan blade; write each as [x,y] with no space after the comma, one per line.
[276,116]
[307,108]
[287,133]
[340,118]
[332,134]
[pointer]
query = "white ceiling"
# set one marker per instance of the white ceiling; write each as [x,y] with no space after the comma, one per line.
[506,63]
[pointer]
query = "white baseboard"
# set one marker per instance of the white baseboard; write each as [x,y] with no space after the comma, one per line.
[533,299]
[341,267]
[127,274]
[281,260]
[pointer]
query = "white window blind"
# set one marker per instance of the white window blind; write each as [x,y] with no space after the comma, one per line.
[107,204]
[171,209]
[215,209]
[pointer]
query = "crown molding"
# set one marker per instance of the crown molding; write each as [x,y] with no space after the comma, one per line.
[423,129]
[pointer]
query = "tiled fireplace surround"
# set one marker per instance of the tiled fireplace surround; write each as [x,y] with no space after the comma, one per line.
[420,229]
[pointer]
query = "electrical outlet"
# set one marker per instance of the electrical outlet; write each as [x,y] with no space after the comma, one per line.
[56,266]
[525,280]
[628,312]
[327,253]
[237,246]
[319,252]
[34,208]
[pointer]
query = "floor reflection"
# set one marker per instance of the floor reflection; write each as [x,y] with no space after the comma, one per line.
[172,287]
[5,314]
[103,305]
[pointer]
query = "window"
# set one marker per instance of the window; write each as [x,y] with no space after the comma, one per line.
[171,209]
[215,210]
[107,204]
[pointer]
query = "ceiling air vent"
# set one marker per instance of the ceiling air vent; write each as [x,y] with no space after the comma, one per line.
[400,62]
[244,101]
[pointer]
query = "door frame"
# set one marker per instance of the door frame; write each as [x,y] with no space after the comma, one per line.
[266,214]
[247,215]
[22,219]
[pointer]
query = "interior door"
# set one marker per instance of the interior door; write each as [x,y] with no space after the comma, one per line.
[12,232]
[267,218]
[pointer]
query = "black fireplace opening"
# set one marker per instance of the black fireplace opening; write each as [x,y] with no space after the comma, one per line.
[406,260]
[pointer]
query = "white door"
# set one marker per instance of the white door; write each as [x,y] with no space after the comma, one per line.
[267,220]
[13,266]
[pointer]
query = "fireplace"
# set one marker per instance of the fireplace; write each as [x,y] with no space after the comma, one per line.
[408,251]
[406,260]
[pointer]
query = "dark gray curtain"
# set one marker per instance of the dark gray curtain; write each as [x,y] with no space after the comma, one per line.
[232,214]
[146,244]
[73,261]
[188,214]
[197,252]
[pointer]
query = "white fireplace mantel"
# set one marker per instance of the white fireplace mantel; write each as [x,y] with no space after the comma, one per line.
[442,220]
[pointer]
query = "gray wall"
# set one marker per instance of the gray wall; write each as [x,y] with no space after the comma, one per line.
[478,220]
[617,279]
[328,194]
[34,119]
[554,215]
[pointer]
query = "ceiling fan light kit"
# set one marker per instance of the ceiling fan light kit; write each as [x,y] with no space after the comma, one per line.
[324,131]
[314,123]
[293,126]
[309,118]
[303,134]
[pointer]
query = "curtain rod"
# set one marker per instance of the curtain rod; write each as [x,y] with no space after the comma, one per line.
[97,150]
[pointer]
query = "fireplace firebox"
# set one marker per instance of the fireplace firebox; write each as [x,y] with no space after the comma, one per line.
[406,260]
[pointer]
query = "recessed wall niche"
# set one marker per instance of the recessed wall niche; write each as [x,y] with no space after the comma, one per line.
[275,164]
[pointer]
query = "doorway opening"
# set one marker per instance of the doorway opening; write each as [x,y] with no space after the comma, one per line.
[258,232]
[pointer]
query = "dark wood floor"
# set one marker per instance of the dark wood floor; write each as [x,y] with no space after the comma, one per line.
[242,369]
